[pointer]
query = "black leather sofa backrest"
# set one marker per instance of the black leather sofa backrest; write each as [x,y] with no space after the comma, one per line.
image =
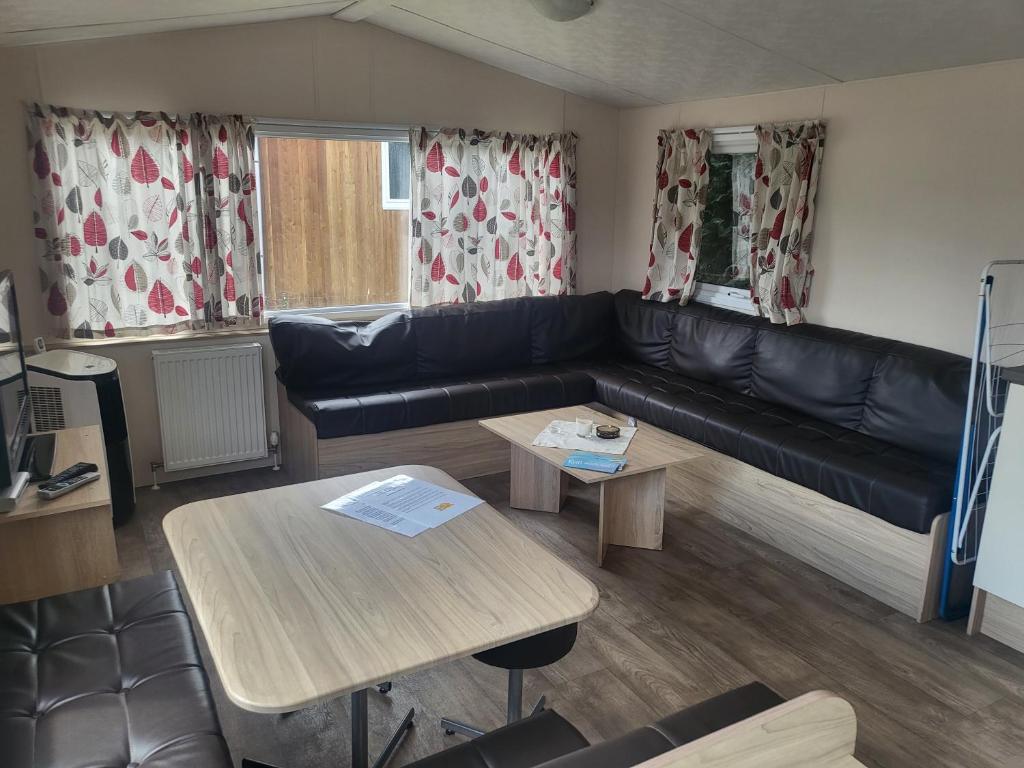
[913,397]
[910,396]
[813,370]
[643,329]
[566,328]
[714,345]
[315,354]
[465,339]
[917,400]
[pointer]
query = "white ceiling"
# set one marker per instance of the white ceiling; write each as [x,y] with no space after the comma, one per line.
[625,52]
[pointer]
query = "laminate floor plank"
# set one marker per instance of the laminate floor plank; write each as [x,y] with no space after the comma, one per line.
[908,660]
[715,609]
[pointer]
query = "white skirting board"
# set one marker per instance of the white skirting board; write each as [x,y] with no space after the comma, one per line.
[211,405]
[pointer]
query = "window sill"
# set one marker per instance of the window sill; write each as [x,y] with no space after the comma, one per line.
[156,338]
[736,299]
[360,312]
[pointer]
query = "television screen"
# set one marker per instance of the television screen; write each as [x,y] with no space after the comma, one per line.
[13,382]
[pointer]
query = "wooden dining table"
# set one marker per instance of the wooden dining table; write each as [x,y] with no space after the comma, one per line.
[300,605]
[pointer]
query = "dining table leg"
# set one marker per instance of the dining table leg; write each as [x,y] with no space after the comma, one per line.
[360,731]
[361,734]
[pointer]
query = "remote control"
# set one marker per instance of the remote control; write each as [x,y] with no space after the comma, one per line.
[73,471]
[52,489]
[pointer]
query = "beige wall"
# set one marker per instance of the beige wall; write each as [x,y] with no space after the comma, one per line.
[305,69]
[922,184]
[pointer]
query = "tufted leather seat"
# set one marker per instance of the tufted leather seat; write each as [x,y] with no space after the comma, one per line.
[547,740]
[105,677]
[905,488]
[418,404]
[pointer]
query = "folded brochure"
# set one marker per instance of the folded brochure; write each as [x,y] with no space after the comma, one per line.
[403,504]
[595,462]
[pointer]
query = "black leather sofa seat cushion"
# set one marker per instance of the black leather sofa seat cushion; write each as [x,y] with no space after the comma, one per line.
[105,677]
[420,404]
[904,488]
[533,741]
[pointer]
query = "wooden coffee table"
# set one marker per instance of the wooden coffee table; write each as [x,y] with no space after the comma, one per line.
[632,507]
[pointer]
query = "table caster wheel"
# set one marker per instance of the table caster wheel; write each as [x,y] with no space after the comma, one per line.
[384,688]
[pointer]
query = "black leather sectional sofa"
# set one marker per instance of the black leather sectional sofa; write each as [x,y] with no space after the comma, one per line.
[869,422]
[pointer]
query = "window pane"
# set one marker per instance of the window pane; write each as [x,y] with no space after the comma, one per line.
[398,169]
[327,241]
[725,234]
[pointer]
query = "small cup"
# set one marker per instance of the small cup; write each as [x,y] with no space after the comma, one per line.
[584,427]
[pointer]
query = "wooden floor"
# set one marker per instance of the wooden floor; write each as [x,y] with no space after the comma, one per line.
[714,610]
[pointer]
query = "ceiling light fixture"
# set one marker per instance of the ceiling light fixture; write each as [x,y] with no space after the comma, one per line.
[563,10]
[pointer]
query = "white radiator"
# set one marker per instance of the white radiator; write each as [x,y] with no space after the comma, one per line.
[211,405]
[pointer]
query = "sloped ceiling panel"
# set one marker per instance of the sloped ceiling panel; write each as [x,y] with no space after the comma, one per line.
[630,52]
[624,52]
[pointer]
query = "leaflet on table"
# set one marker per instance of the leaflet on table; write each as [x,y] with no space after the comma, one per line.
[595,462]
[403,504]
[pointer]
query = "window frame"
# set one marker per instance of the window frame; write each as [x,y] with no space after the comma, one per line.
[387,201]
[315,129]
[735,140]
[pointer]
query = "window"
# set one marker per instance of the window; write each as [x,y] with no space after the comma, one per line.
[335,217]
[723,273]
[395,167]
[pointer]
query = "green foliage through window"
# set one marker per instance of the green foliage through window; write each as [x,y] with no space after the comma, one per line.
[725,232]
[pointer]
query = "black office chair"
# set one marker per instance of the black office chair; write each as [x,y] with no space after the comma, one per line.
[528,653]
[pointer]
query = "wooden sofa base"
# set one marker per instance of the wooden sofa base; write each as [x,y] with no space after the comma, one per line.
[901,568]
[462,448]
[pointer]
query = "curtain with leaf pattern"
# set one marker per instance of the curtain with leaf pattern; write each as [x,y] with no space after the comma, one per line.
[145,222]
[493,215]
[679,198]
[782,218]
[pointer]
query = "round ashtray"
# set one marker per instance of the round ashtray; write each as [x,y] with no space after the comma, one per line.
[607,431]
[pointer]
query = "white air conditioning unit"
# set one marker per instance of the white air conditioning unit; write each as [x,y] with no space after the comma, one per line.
[75,389]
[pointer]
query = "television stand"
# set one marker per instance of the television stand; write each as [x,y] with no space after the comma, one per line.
[62,545]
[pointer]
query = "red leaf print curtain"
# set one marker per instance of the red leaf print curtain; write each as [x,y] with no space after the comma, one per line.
[233,281]
[679,196]
[117,222]
[493,215]
[782,218]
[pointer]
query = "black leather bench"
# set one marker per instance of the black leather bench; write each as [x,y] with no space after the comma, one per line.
[549,740]
[106,677]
